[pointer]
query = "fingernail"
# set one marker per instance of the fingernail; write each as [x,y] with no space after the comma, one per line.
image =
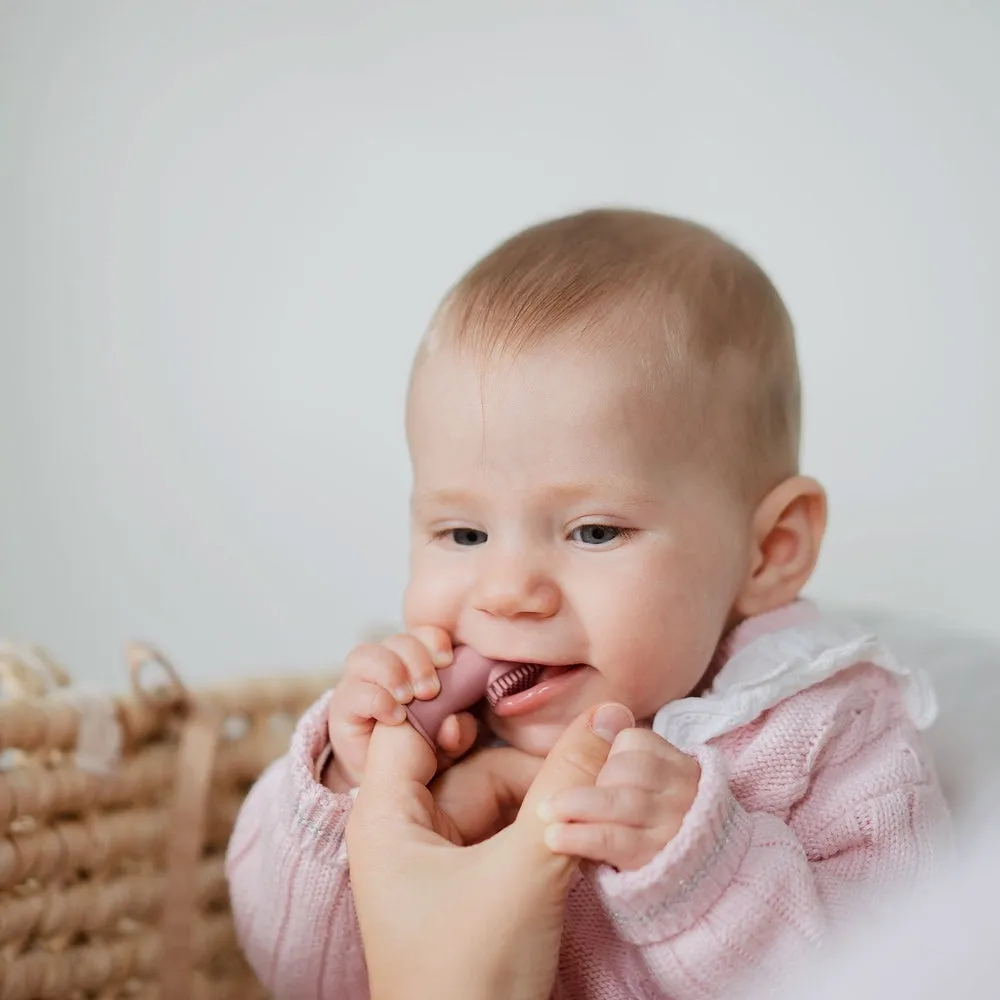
[399,713]
[428,687]
[545,811]
[403,693]
[443,657]
[609,720]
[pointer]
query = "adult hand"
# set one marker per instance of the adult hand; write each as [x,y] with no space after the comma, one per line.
[483,792]
[479,923]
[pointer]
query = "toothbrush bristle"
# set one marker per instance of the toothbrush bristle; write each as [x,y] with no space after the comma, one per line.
[514,681]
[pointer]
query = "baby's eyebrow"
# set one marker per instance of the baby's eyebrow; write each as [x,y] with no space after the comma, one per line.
[613,490]
[608,491]
[443,498]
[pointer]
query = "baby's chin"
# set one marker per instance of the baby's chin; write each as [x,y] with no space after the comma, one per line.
[538,736]
[534,737]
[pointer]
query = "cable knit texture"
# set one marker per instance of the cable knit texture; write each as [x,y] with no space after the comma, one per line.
[816,794]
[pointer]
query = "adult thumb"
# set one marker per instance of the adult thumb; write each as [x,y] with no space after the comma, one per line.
[398,758]
[576,760]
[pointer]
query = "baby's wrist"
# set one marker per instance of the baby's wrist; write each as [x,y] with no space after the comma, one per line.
[332,777]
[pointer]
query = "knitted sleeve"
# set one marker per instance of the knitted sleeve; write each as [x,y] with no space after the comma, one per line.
[747,887]
[287,870]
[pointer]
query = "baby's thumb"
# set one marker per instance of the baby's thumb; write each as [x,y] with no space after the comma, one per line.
[576,759]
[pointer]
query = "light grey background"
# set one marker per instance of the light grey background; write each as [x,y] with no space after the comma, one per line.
[223,226]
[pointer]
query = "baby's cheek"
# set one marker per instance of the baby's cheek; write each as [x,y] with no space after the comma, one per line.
[431,598]
[655,669]
[416,604]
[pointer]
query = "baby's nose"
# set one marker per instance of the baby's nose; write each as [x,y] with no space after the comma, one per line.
[510,590]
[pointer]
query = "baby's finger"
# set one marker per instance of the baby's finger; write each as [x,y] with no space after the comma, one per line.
[357,705]
[416,658]
[437,642]
[636,768]
[645,740]
[622,804]
[603,843]
[377,664]
[457,735]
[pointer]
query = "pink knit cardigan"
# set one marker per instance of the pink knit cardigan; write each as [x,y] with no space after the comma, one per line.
[816,794]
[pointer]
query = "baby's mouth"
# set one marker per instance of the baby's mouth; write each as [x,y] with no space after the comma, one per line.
[508,679]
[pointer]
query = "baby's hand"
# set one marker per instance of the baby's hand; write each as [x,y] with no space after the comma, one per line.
[636,808]
[379,679]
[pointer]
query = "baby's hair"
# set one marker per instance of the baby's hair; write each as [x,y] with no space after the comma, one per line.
[703,314]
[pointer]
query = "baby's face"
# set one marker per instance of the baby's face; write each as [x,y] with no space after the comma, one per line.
[557,520]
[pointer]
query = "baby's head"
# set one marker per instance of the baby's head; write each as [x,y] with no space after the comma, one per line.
[604,429]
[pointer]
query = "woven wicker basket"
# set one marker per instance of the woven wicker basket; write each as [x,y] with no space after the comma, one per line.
[114,818]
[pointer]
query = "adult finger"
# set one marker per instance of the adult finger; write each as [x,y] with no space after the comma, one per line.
[398,759]
[394,814]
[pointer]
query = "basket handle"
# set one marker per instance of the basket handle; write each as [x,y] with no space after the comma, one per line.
[188,815]
[188,823]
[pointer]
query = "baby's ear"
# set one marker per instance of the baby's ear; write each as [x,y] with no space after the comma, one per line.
[788,529]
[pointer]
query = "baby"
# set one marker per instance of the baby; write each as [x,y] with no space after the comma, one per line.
[603,420]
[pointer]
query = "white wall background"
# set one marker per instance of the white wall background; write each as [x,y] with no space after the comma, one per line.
[223,226]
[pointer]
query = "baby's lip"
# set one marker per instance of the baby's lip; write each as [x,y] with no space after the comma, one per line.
[537,661]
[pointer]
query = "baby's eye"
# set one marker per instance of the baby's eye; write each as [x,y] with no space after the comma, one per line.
[596,534]
[468,536]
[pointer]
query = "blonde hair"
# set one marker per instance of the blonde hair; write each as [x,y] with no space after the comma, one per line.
[701,310]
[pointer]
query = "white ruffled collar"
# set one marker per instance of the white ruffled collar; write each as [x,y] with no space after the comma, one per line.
[774,656]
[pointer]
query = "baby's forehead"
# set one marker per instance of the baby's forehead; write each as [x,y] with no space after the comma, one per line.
[626,380]
[625,347]
[572,413]
[556,375]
